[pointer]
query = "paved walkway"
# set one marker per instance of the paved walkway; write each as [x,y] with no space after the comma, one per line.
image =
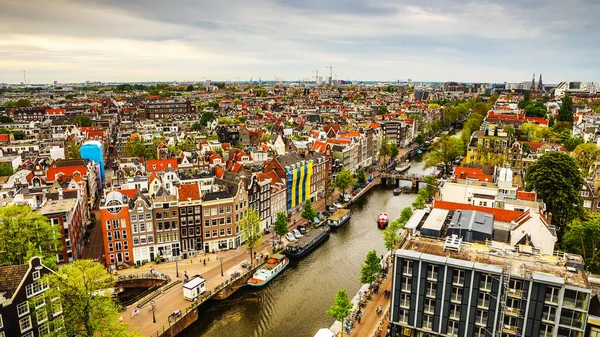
[371,321]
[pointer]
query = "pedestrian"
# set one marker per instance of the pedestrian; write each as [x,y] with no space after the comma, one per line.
[205,262]
[185,276]
[358,319]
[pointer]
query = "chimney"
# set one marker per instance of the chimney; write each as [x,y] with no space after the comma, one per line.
[549,217]
[60,194]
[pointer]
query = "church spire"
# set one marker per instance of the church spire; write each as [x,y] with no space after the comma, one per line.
[532,82]
[540,84]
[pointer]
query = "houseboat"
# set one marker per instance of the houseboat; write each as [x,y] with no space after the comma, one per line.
[308,242]
[340,217]
[266,273]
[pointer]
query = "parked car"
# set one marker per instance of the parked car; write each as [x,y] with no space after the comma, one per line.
[290,237]
[346,198]
[320,216]
[330,208]
[301,229]
[297,234]
[337,205]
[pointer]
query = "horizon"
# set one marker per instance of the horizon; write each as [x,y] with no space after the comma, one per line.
[142,41]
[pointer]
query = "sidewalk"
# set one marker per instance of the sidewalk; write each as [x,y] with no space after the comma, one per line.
[370,320]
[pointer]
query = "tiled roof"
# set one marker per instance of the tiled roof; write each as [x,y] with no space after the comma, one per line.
[189,191]
[528,196]
[502,215]
[10,278]
[156,165]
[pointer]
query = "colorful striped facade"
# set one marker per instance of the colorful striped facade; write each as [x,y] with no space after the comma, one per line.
[298,185]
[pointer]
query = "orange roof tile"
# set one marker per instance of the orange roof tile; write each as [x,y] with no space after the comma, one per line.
[503,215]
[189,191]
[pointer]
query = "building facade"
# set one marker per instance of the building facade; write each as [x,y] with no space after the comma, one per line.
[116,230]
[190,219]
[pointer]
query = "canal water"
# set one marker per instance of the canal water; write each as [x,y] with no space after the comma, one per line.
[294,303]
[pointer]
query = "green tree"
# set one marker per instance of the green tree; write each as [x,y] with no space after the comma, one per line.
[24,234]
[420,139]
[207,116]
[360,176]
[587,156]
[384,149]
[82,120]
[72,149]
[197,126]
[251,231]
[394,150]
[583,238]
[405,215]
[556,178]
[19,135]
[135,148]
[445,151]
[343,180]
[10,104]
[189,88]
[83,288]
[341,308]
[371,269]
[23,103]
[382,110]
[6,119]
[510,130]
[281,224]
[391,237]
[560,127]
[308,212]
[6,170]
[565,113]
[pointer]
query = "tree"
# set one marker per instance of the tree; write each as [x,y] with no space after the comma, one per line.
[308,212]
[281,224]
[360,176]
[384,150]
[565,113]
[390,237]
[510,130]
[24,234]
[556,178]
[82,120]
[382,110]
[587,156]
[23,103]
[251,231]
[583,238]
[197,126]
[445,151]
[189,88]
[6,170]
[19,135]
[72,150]
[343,180]
[405,215]
[341,308]
[135,148]
[420,139]
[394,150]
[83,288]
[10,104]
[371,268]
[207,116]
[5,119]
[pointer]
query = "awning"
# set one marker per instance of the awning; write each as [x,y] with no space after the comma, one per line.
[316,220]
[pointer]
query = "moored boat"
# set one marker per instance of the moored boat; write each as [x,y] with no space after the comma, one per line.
[308,242]
[266,273]
[382,220]
[340,217]
[397,191]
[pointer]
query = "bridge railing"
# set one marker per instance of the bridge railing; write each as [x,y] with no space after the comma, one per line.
[139,276]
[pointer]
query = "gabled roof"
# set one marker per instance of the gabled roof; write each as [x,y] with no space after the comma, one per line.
[156,165]
[499,214]
[189,191]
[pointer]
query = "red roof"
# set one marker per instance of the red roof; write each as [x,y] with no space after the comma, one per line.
[130,193]
[339,141]
[157,165]
[189,192]
[535,146]
[472,173]
[503,215]
[5,137]
[67,171]
[319,146]
[524,195]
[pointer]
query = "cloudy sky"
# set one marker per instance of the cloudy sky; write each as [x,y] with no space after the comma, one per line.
[436,40]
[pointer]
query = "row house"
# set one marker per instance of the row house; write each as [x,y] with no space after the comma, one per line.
[25,310]
[166,220]
[259,197]
[166,110]
[321,177]
[142,229]
[523,154]
[190,219]
[116,230]
[296,173]
[28,114]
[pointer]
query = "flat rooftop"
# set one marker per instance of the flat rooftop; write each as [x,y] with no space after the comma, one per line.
[523,265]
[58,206]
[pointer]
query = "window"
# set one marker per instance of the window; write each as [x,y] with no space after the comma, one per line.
[485,282]
[110,247]
[222,232]
[44,329]
[41,316]
[229,231]
[458,277]
[454,311]
[427,322]
[429,306]
[150,239]
[403,316]
[546,330]
[182,211]
[481,317]
[142,227]
[213,211]
[549,313]
[221,210]
[407,268]
[432,272]
[575,299]
[480,332]
[214,233]
[109,236]
[229,220]
[23,308]
[228,209]
[406,284]
[35,288]
[207,212]
[456,294]
[35,275]
[134,228]
[552,295]
[38,301]
[207,234]
[572,318]
[431,289]
[453,328]
[25,324]
[136,241]
[405,300]
[483,300]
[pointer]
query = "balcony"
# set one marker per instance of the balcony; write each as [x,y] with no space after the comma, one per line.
[515,293]
[511,329]
[511,311]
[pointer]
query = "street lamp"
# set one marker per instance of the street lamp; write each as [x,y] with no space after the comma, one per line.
[177,266]
[152,308]
[221,259]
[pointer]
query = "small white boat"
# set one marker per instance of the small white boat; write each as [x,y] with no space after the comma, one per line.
[382,220]
[272,268]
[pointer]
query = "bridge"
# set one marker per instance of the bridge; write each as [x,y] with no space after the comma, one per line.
[393,179]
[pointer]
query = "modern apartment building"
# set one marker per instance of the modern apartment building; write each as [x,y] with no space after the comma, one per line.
[449,288]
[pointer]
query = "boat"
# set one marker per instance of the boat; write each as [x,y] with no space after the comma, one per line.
[308,242]
[397,191]
[405,167]
[340,217]
[382,220]
[266,273]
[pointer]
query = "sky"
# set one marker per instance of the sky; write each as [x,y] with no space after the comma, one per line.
[230,40]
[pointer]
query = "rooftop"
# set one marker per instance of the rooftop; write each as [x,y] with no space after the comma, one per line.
[522,265]
[58,206]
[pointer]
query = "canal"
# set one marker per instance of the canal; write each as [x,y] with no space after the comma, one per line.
[294,303]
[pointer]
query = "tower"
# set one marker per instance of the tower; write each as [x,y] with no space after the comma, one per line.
[540,85]
[532,83]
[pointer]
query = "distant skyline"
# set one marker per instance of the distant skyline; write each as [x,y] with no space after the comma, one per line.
[191,40]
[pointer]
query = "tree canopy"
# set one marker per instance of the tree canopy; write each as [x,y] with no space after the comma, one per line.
[24,234]
[6,119]
[136,148]
[587,155]
[394,150]
[445,151]
[341,308]
[343,179]
[207,116]
[72,150]
[371,268]
[360,176]
[251,231]
[565,113]
[89,309]
[6,170]
[583,238]
[82,120]
[556,178]
[23,103]
[281,224]
[384,149]
[308,212]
